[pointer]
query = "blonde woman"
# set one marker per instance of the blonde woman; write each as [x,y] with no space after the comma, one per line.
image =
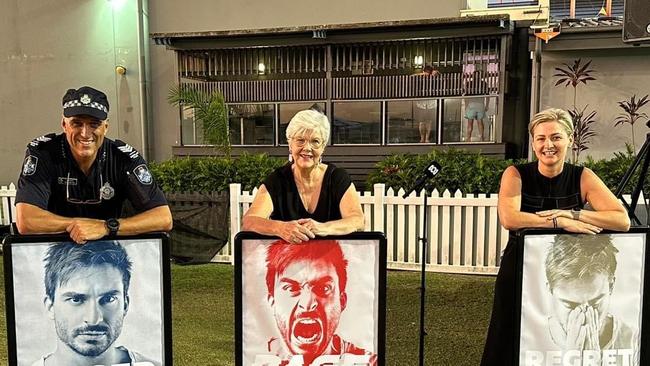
[548,193]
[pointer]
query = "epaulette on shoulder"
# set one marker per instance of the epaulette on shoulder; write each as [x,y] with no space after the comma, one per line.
[41,140]
[127,149]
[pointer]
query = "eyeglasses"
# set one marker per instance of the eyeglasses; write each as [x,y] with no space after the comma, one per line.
[314,143]
[83,202]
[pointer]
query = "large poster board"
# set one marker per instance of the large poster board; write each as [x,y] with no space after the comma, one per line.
[105,302]
[583,299]
[317,303]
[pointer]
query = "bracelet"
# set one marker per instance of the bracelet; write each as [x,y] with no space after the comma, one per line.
[555,223]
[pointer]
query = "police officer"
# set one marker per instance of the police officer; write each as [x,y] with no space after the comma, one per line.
[77,181]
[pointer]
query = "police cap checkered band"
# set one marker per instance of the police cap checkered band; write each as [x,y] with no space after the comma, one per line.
[85,101]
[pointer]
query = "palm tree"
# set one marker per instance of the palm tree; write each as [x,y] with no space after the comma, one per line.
[210,109]
[631,113]
[574,75]
[582,131]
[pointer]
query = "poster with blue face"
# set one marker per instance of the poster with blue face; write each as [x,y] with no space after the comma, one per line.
[100,303]
[582,299]
[309,304]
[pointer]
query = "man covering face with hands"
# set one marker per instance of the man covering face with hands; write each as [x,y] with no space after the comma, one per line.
[580,272]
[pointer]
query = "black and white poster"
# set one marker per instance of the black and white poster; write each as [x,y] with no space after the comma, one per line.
[105,302]
[317,303]
[582,299]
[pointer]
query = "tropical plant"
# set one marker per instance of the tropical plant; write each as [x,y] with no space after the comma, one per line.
[574,75]
[210,109]
[582,131]
[631,113]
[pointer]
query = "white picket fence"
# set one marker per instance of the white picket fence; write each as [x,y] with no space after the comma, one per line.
[7,204]
[464,230]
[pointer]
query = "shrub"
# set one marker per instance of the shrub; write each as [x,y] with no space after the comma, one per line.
[474,173]
[213,174]
[611,171]
[466,171]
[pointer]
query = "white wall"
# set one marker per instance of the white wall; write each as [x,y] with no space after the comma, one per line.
[619,75]
[48,46]
[214,15]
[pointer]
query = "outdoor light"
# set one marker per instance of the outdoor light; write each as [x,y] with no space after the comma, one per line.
[117,4]
[261,68]
[418,61]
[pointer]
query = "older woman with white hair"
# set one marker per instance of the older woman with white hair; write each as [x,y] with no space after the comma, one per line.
[306,197]
[547,193]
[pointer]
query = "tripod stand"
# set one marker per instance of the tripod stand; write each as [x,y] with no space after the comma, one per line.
[424,239]
[422,184]
[643,155]
[423,260]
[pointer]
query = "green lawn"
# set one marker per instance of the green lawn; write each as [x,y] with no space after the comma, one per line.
[458,308]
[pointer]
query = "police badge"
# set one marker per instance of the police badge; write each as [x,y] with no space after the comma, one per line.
[142,173]
[85,99]
[29,167]
[106,192]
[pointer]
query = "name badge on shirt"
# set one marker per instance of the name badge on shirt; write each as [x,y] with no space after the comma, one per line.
[68,181]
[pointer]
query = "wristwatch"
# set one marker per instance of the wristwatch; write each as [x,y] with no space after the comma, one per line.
[575,213]
[113,225]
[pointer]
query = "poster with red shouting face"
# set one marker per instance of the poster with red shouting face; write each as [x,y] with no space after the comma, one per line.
[310,304]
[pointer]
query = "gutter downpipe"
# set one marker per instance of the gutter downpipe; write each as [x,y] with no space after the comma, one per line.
[536,55]
[143,59]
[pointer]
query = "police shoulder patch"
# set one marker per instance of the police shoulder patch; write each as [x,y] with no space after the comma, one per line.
[30,164]
[143,174]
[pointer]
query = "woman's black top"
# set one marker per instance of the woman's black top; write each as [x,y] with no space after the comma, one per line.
[287,204]
[538,193]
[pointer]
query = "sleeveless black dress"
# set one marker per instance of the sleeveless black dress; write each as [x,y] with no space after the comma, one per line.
[538,193]
[287,204]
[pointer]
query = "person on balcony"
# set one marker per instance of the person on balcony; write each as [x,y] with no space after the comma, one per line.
[425,114]
[548,193]
[475,106]
[305,198]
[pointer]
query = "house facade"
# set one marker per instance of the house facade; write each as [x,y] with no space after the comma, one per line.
[620,71]
[387,87]
[362,64]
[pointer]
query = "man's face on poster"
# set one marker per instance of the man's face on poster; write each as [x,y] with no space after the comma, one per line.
[88,310]
[574,297]
[307,303]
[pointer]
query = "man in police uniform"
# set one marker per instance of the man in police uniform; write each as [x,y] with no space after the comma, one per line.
[77,181]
